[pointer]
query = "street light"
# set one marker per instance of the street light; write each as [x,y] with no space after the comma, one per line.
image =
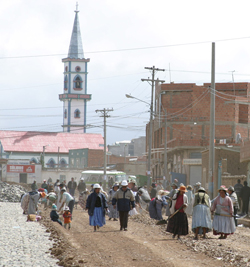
[130,96]
[149,136]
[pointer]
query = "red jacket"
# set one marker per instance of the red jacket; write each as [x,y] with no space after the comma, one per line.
[67,217]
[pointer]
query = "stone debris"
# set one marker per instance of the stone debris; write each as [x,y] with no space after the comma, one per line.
[23,244]
[226,251]
[11,193]
[143,218]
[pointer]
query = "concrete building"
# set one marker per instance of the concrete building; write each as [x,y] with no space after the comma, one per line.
[75,94]
[245,157]
[48,149]
[134,148]
[227,161]
[185,108]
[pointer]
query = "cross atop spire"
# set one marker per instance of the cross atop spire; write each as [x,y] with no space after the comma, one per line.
[76,7]
[75,48]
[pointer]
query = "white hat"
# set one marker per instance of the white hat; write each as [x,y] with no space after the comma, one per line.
[82,179]
[124,183]
[66,208]
[163,193]
[96,186]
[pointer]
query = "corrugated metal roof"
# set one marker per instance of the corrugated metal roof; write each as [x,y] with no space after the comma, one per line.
[15,141]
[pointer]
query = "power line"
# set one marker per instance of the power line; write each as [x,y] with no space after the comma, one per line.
[132,49]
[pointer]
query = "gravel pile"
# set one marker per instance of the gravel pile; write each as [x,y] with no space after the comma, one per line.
[11,193]
[23,244]
[233,251]
[143,218]
[220,250]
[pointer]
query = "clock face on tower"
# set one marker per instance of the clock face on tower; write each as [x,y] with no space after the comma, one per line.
[78,68]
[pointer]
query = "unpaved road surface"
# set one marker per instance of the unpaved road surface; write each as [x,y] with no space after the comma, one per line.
[142,245]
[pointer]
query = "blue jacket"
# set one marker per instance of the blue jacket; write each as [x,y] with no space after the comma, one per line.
[124,199]
[90,205]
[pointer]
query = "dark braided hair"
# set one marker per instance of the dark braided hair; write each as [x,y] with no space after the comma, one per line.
[203,198]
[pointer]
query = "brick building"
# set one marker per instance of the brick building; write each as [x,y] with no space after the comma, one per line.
[186,108]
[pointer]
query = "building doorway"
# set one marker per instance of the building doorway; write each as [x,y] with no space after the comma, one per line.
[23,178]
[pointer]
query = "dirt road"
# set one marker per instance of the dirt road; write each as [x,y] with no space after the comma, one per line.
[142,245]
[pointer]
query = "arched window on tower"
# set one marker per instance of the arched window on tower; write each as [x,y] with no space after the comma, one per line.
[78,82]
[66,83]
[65,114]
[77,114]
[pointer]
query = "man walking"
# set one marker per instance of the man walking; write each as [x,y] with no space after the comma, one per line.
[237,189]
[72,186]
[245,194]
[125,200]
[81,186]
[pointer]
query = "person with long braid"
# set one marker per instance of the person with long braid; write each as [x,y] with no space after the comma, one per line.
[201,221]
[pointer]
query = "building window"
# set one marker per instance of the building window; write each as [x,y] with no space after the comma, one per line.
[66,68]
[195,155]
[51,163]
[33,161]
[63,163]
[78,68]
[243,113]
[78,83]
[77,114]
[65,114]
[66,83]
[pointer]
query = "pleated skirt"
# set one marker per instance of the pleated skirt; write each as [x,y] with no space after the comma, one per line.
[97,218]
[178,224]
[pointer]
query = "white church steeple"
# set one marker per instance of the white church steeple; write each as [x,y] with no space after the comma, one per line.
[75,95]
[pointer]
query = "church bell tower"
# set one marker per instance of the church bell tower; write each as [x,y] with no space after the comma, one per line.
[75,73]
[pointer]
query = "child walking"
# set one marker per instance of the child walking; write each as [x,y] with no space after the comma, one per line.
[67,218]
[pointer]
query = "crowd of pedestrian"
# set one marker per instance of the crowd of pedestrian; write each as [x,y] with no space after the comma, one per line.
[125,199]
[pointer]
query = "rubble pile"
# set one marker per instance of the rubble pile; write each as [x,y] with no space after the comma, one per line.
[219,250]
[11,193]
[143,218]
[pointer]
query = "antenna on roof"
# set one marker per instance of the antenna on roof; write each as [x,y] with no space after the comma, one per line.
[233,80]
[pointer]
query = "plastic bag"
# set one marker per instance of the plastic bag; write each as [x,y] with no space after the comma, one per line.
[133,212]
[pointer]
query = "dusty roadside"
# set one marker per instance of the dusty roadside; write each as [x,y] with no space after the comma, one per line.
[142,245]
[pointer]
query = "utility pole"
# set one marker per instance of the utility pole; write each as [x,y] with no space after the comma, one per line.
[212,126]
[58,159]
[151,117]
[165,175]
[105,115]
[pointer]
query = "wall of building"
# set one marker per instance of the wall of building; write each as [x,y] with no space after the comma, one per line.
[136,147]
[232,165]
[17,167]
[132,168]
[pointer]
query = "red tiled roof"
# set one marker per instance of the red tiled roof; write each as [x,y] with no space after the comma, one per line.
[34,141]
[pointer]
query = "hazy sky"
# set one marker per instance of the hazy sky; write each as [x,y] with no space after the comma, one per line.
[35,36]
